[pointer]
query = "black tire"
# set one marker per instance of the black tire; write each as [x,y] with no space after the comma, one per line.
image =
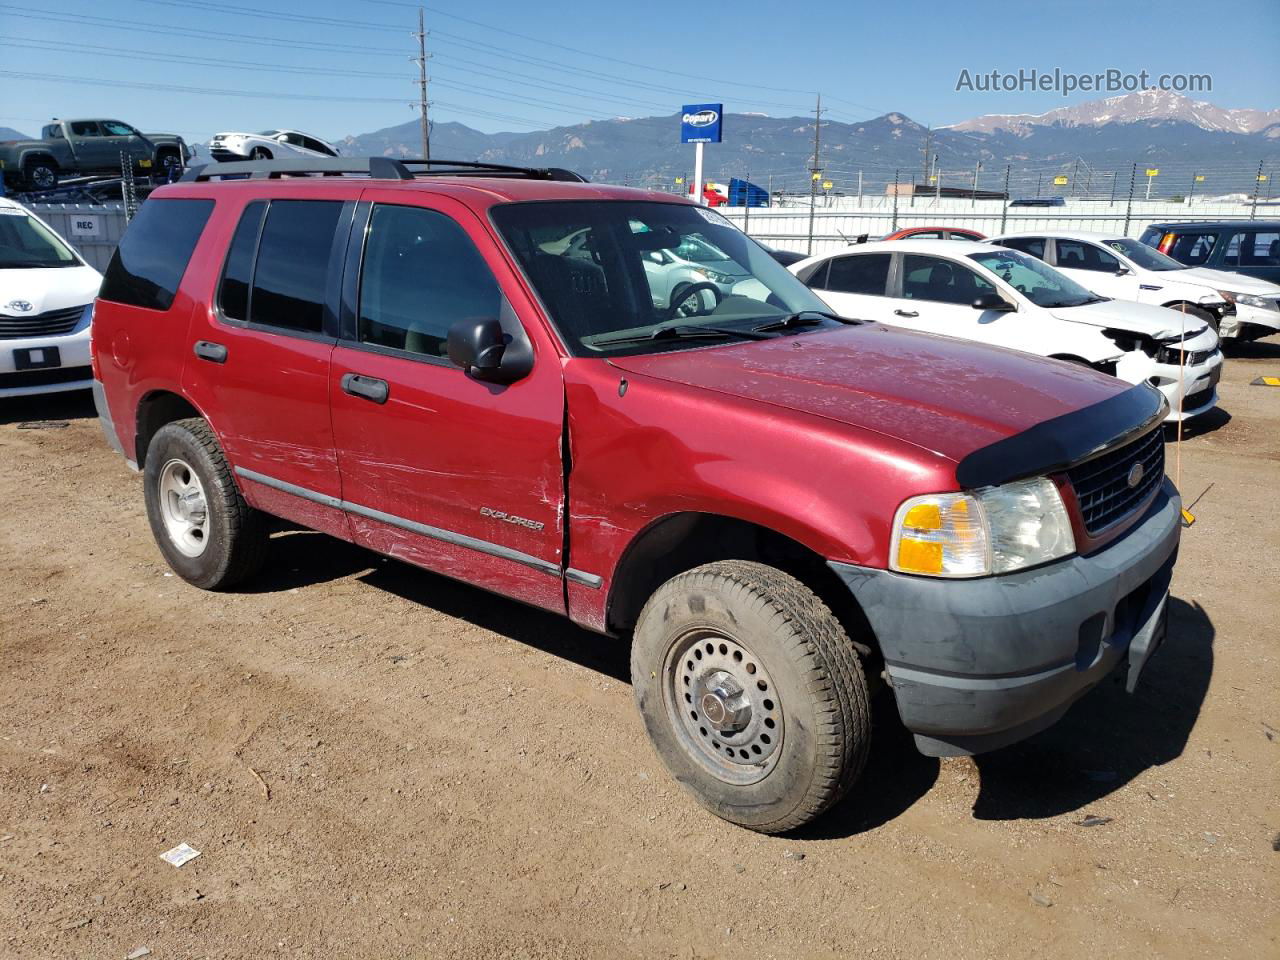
[40,174]
[259,153]
[802,679]
[234,538]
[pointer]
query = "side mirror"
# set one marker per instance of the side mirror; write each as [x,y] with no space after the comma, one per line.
[480,346]
[993,301]
[1122,270]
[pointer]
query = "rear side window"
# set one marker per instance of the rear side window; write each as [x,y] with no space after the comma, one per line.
[1030,245]
[147,267]
[1254,248]
[866,274]
[289,280]
[421,275]
[1192,248]
[233,293]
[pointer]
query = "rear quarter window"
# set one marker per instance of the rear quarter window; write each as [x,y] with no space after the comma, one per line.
[147,267]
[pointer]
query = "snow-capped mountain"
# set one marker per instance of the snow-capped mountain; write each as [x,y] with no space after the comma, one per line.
[1146,105]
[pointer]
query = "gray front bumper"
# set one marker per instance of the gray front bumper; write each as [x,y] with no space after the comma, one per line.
[978,664]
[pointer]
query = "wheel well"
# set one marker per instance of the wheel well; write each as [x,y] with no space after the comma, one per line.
[683,541]
[155,410]
[47,158]
[1177,304]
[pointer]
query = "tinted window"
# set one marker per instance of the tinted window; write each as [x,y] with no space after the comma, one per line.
[421,275]
[859,274]
[149,263]
[84,128]
[1074,255]
[1253,248]
[1192,248]
[293,264]
[233,294]
[1031,245]
[114,128]
[932,278]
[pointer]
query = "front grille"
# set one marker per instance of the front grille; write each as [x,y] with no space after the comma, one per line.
[1193,357]
[48,324]
[1102,484]
[44,378]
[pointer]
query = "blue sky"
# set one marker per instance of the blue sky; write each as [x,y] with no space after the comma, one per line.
[335,68]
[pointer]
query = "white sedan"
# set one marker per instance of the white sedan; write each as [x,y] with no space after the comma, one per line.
[984,292]
[268,145]
[1238,306]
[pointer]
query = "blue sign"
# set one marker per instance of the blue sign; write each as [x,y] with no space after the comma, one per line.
[701,122]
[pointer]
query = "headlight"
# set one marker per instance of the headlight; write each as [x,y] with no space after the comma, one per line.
[1249,300]
[994,530]
[715,277]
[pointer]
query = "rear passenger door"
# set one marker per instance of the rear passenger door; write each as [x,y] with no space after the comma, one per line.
[1255,253]
[936,295]
[259,362]
[855,285]
[457,475]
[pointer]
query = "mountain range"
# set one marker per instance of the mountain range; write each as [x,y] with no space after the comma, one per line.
[1102,138]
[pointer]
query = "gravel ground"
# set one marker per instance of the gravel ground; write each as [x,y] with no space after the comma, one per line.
[375,761]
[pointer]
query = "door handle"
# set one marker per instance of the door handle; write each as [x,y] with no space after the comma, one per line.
[208,350]
[370,388]
[907,313]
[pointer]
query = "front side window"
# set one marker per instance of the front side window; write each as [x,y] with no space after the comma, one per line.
[421,274]
[114,128]
[292,271]
[942,281]
[26,243]
[147,267]
[865,273]
[1192,248]
[1032,245]
[1253,248]
[1074,255]
[614,277]
[1035,279]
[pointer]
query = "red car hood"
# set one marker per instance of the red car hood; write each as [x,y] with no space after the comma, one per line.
[941,394]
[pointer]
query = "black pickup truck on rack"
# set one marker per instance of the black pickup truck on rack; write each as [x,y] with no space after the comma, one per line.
[72,148]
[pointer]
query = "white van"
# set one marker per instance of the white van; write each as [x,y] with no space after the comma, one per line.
[989,293]
[46,306]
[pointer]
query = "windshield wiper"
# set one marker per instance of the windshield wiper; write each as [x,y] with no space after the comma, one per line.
[691,331]
[1075,303]
[805,318]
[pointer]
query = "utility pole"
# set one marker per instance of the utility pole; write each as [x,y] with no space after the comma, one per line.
[1075,172]
[937,181]
[815,170]
[421,59]
[928,142]
[895,197]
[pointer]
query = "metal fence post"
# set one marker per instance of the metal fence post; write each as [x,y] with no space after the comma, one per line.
[1004,213]
[895,200]
[1257,182]
[1128,208]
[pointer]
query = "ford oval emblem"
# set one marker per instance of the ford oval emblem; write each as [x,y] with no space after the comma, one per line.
[703,118]
[22,306]
[1135,475]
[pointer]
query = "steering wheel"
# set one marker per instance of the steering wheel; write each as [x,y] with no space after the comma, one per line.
[683,294]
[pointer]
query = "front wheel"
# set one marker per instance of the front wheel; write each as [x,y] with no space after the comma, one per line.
[260,153]
[752,694]
[207,532]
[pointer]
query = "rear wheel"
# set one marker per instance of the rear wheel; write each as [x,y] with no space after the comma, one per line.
[40,174]
[207,532]
[752,694]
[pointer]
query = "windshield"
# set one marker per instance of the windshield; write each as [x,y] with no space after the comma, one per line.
[27,243]
[268,133]
[1146,257]
[613,274]
[1035,279]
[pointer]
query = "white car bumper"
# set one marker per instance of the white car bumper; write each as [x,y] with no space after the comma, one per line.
[1259,316]
[1191,391]
[46,364]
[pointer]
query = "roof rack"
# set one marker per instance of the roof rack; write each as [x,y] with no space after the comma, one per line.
[377,168]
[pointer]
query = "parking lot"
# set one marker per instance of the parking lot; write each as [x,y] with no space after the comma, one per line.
[375,761]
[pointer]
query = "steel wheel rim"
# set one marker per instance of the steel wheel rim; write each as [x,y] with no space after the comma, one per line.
[184,508]
[723,706]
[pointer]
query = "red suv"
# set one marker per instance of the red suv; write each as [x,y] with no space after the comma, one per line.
[775,506]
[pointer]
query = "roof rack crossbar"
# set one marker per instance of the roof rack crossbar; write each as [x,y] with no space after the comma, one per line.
[377,168]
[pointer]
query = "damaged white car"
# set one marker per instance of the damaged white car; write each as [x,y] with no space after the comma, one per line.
[1007,298]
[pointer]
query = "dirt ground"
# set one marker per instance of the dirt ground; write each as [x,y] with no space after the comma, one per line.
[378,762]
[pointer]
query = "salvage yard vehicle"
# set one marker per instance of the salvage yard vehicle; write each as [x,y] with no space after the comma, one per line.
[46,306]
[71,148]
[1000,296]
[267,145]
[934,233]
[774,505]
[1238,307]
